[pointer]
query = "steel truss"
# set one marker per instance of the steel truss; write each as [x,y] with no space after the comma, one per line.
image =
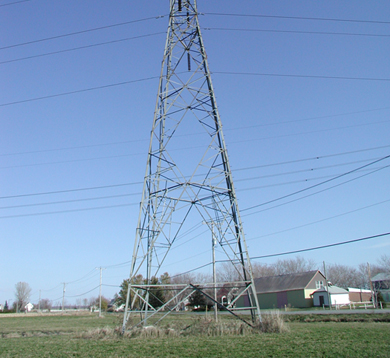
[188,181]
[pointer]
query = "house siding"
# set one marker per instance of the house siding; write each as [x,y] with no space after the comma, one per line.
[298,299]
[360,296]
[285,291]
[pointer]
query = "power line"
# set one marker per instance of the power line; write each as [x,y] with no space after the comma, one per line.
[188,134]
[237,180]
[301,76]
[84,293]
[318,184]
[72,148]
[81,32]
[238,169]
[319,221]
[298,32]
[312,158]
[70,190]
[80,48]
[254,257]
[302,170]
[305,180]
[217,72]
[68,211]
[69,201]
[320,247]
[89,273]
[317,192]
[189,271]
[307,119]
[178,149]
[80,91]
[298,18]
[13,3]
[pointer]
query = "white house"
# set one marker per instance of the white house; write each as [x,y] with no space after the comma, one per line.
[28,307]
[338,297]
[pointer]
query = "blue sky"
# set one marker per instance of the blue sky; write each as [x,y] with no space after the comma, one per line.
[313,105]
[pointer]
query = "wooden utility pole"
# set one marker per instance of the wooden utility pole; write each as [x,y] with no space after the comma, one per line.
[327,287]
[63,297]
[100,291]
[372,289]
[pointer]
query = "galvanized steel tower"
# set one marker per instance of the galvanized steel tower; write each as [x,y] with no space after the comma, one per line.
[188,182]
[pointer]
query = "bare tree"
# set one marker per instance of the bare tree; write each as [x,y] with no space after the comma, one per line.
[384,263]
[263,270]
[228,272]
[45,304]
[22,294]
[78,303]
[296,265]
[344,276]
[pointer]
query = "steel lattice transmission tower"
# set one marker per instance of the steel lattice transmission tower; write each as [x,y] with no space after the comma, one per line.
[188,181]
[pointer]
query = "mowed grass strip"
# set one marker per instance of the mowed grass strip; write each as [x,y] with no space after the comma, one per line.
[304,339]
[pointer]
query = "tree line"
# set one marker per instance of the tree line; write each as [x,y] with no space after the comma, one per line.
[339,275]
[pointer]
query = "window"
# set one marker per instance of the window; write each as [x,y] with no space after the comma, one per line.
[319,284]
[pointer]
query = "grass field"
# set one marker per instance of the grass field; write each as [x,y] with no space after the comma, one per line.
[308,336]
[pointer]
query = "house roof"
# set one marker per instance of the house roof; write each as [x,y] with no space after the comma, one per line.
[381,277]
[334,290]
[289,282]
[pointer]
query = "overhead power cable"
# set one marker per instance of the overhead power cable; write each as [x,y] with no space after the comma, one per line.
[14,3]
[70,190]
[189,271]
[80,91]
[88,274]
[81,48]
[319,221]
[298,18]
[297,32]
[138,194]
[238,169]
[84,293]
[310,169]
[69,201]
[183,148]
[305,180]
[311,158]
[68,211]
[301,76]
[318,184]
[291,252]
[82,32]
[305,119]
[197,133]
[317,192]
[218,72]
[321,247]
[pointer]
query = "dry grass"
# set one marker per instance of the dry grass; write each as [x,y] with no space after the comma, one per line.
[273,322]
[198,327]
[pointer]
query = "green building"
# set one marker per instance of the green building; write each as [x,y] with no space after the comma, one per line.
[293,290]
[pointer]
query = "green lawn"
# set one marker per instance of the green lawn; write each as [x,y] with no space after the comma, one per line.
[61,336]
